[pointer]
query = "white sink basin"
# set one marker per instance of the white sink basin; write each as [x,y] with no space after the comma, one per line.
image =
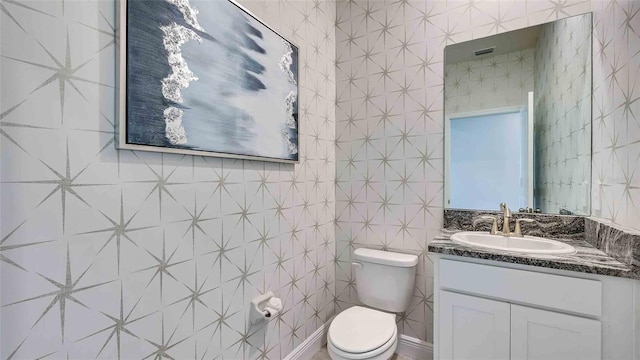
[526,244]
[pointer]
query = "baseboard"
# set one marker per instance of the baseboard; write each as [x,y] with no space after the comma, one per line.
[407,346]
[414,348]
[311,345]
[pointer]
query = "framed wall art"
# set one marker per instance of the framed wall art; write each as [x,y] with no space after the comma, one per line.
[205,77]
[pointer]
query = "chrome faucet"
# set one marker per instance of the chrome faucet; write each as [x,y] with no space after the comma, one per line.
[506,216]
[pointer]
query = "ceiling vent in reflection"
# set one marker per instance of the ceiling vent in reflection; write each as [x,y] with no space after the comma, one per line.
[484,51]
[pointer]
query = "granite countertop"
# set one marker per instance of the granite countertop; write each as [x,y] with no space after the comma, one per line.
[587,259]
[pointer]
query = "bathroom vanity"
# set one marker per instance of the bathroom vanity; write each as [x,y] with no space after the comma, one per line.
[498,305]
[517,124]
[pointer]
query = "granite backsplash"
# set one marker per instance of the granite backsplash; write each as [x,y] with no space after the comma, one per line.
[619,243]
[545,225]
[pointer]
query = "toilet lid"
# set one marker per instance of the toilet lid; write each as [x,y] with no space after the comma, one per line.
[359,329]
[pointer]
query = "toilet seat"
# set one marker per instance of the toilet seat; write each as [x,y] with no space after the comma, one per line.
[384,352]
[362,333]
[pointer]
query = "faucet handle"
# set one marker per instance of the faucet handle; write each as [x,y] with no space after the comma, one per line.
[494,225]
[518,230]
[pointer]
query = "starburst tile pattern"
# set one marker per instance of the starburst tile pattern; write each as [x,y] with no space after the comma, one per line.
[389,104]
[562,124]
[616,112]
[132,255]
[109,254]
[494,82]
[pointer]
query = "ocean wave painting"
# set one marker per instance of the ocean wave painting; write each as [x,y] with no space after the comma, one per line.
[208,78]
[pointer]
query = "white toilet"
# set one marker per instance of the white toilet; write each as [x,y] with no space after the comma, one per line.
[385,282]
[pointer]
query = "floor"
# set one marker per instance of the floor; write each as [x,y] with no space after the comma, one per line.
[324,355]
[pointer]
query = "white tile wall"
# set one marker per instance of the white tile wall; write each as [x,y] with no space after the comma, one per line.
[562,114]
[493,82]
[616,112]
[389,120]
[130,255]
[111,254]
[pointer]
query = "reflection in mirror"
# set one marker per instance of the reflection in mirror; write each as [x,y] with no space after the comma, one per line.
[518,119]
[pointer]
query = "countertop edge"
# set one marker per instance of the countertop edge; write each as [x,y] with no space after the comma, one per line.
[443,245]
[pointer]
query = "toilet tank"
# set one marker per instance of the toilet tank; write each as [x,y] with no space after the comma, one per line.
[385,280]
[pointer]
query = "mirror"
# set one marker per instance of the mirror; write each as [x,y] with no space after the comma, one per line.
[518,119]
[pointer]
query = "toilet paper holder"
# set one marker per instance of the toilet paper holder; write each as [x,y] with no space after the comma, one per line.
[265,307]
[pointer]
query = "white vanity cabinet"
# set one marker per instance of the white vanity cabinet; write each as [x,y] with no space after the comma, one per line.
[541,334]
[492,310]
[473,327]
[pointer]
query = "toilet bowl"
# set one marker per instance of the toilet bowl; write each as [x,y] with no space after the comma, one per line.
[384,281]
[360,333]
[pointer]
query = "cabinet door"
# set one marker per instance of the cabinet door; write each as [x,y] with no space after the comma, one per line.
[538,334]
[472,328]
